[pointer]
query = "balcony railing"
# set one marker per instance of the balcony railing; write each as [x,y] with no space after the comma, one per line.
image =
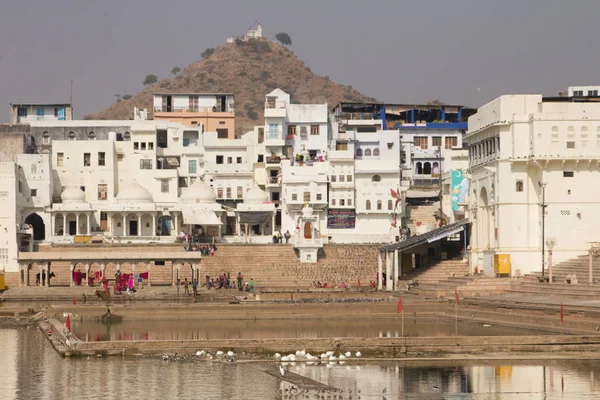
[193,109]
[275,104]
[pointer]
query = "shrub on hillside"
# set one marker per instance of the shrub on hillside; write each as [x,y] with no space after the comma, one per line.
[207,53]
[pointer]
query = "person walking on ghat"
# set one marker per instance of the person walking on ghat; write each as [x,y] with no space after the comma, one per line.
[177,284]
[287,236]
[186,287]
[195,287]
[279,237]
[239,281]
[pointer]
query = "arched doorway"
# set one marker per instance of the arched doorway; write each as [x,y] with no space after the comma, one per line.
[307,230]
[484,218]
[37,223]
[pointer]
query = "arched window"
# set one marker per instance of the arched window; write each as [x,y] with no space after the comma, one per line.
[570,129]
[379,206]
[436,168]
[390,205]
[367,152]
[368,205]
[71,135]
[45,138]
[359,153]
[419,168]
[427,168]
[91,136]
[376,152]
[519,186]
[127,136]
[228,193]
[584,129]
[376,178]
[220,193]
[555,128]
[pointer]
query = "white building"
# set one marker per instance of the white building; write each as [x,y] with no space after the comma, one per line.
[523,151]
[583,91]
[22,113]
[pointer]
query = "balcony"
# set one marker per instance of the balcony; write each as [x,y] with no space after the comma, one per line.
[185,112]
[341,155]
[275,109]
[274,181]
[274,140]
[341,185]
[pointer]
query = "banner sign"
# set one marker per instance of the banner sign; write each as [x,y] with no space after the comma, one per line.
[341,219]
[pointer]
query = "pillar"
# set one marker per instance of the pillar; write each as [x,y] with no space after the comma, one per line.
[273,223]
[153,234]
[176,223]
[64,224]
[77,224]
[26,276]
[550,266]
[237,224]
[396,269]
[102,269]
[388,275]
[399,265]
[590,264]
[139,223]
[41,272]
[173,271]
[21,275]
[72,268]
[149,265]
[379,271]
[46,268]
[87,274]
[247,234]
[88,224]
[124,224]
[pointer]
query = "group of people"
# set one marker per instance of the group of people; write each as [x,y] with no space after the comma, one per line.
[224,281]
[186,286]
[205,250]
[333,285]
[278,239]
[122,282]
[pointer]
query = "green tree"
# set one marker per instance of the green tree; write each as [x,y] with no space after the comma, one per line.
[175,70]
[126,97]
[207,53]
[284,39]
[150,79]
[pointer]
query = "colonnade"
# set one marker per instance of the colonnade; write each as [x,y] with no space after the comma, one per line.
[393,269]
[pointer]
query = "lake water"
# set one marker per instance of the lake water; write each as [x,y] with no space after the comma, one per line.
[278,329]
[30,369]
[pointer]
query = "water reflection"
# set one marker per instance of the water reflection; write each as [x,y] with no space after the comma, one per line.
[31,369]
[277,329]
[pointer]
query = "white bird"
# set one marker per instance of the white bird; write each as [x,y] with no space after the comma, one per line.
[292,357]
[230,353]
[358,354]
[303,353]
[219,353]
[331,358]
[277,355]
[342,357]
[330,353]
[298,353]
[348,354]
[281,370]
[323,356]
[285,358]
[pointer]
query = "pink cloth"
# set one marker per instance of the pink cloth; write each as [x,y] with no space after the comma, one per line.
[131,282]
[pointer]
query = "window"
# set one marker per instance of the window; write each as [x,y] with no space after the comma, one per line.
[342,178]
[570,145]
[192,166]
[577,93]
[150,145]
[120,157]
[390,205]
[40,113]
[376,178]
[228,192]
[240,192]
[136,146]
[593,93]
[87,159]
[71,136]
[314,129]
[238,160]
[143,146]
[33,192]
[568,174]
[390,145]
[222,133]
[145,164]
[22,112]
[261,158]
[319,197]
[273,131]
[220,122]
[193,103]
[164,186]
[451,141]
[359,152]
[3,257]
[419,168]
[333,178]
[368,205]
[127,136]
[60,159]
[291,130]
[367,152]
[519,186]
[379,205]
[46,138]
[349,202]
[220,193]
[333,202]
[427,168]
[91,136]
[306,196]
[376,152]
[436,141]
[219,159]
[229,160]
[102,189]
[421,141]
[101,159]
[294,197]
[342,202]
[340,146]
[348,178]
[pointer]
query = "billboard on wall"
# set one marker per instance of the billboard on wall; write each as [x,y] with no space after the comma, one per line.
[341,219]
[460,190]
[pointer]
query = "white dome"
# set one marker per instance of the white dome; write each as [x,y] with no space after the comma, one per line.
[307,211]
[72,195]
[255,195]
[198,192]
[134,193]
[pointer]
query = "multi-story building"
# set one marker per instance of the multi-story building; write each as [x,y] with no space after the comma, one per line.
[532,165]
[215,112]
[22,113]
[583,91]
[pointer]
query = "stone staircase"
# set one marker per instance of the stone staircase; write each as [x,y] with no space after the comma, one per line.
[438,271]
[423,214]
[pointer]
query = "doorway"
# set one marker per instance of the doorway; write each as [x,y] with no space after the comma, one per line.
[133,228]
[72,228]
[307,230]
[37,223]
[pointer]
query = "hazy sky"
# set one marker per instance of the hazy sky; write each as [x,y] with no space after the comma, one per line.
[394,50]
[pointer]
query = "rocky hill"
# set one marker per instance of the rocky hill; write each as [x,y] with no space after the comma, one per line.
[250,70]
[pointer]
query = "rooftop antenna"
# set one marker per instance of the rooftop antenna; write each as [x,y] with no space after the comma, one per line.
[71,97]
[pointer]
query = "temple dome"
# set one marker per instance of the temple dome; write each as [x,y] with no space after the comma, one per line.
[255,195]
[307,211]
[198,192]
[134,193]
[72,195]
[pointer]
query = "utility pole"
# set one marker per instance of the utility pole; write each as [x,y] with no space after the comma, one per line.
[440,183]
[544,205]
